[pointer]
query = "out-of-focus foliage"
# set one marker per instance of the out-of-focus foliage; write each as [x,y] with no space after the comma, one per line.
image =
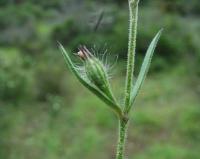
[14,80]
[45,113]
[21,22]
[183,7]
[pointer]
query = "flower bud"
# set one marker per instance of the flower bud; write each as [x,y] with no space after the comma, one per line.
[95,71]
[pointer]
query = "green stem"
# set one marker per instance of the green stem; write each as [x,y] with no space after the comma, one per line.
[123,122]
[133,18]
[123,125]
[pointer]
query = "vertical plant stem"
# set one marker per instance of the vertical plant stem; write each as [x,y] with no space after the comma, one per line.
[123,122]
[123,125]
[133,18]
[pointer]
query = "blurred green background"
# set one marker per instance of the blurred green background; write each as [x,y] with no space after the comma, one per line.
[45,113]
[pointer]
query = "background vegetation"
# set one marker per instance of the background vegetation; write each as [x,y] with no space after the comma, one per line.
[46,114]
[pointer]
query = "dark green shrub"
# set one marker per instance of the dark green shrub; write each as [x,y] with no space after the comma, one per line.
[66,31]
[48,79]
[180,6]
[14,79]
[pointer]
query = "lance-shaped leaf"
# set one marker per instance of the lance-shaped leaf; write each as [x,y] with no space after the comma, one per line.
[145,67]
[88,85]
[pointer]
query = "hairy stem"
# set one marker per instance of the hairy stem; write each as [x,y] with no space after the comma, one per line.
[133,18]
[123,125]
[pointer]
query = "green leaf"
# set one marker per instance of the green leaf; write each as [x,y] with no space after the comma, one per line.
[145,67]
[88,85]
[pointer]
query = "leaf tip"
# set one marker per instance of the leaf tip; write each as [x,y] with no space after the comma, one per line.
[160,31]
